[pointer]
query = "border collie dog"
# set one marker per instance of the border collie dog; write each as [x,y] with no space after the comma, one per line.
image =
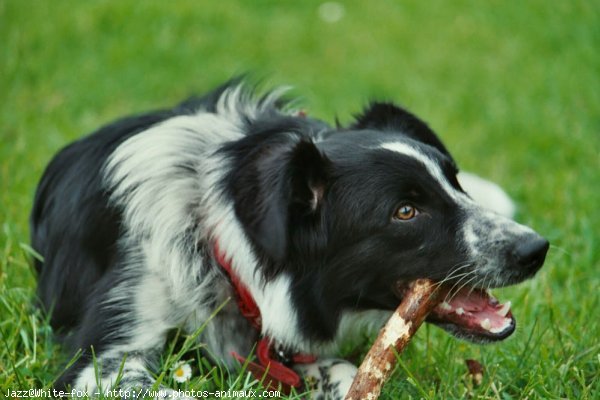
[154,222]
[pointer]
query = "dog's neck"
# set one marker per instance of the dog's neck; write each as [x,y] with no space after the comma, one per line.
[273,361]
[246,303]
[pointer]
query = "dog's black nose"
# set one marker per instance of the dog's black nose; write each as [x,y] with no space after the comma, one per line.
[530,252]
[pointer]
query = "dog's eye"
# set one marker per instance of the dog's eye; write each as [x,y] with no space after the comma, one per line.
[406,212]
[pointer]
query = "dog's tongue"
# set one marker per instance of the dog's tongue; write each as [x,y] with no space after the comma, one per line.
[476,311]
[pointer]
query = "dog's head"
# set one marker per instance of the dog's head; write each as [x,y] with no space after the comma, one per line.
[351,213]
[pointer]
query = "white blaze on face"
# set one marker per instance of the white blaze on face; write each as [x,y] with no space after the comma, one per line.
[431,166]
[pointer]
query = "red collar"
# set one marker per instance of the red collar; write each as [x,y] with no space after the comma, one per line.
[273,374]
[245,301]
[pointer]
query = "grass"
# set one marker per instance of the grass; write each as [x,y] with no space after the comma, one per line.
[512,87]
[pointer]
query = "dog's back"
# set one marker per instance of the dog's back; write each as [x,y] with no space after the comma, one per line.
[72,224]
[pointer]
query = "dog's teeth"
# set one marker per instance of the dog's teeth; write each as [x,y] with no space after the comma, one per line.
[460,311]
[486,324]
[445,306]
[506,324]
[504,310]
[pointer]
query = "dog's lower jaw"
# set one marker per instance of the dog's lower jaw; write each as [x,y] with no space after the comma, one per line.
[471,337]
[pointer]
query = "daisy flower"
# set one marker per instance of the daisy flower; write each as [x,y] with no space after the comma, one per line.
[182,372]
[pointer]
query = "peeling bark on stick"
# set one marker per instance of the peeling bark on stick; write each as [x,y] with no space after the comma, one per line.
[419,299]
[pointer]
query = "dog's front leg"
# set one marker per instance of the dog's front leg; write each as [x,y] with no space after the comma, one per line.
[121,375]
[328,378]
[121,337]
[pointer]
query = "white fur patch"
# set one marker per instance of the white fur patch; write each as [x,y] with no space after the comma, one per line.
[487,194]
[279,318]
[167,180]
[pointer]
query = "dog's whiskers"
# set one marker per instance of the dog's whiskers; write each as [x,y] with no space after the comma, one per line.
[451,293]
[481,284]
[561,249]
[462,286]
[453,274]
[484,282]
[457,277]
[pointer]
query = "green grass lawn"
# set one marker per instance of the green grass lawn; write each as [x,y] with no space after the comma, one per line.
[512,87]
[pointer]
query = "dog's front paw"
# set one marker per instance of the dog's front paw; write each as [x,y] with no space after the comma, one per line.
[328,379]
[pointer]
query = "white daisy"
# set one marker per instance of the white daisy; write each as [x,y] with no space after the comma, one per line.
[182,372]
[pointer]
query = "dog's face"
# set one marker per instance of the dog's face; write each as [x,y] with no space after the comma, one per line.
[359,212]
[400,213]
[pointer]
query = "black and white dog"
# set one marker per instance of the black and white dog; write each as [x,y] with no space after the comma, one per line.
[153,222]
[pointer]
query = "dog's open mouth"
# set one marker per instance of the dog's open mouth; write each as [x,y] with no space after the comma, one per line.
[473,314]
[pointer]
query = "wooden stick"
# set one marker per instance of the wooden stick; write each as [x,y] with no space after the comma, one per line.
[419,299]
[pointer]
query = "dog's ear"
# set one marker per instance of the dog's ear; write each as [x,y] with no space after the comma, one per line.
[308,172]
[389,117]
[284,187]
